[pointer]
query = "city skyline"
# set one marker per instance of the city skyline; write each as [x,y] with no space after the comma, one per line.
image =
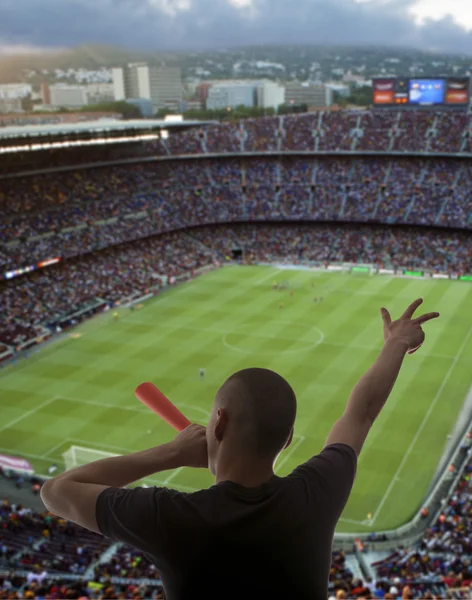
[26,25]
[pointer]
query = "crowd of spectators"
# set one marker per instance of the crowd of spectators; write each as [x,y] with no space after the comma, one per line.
[62,215]
[14,587]
[116,273]
[356,130]
[444,552]
[48,548]
[328,131]
[126,562]
[261,135]
[17,332]
[332,131]
[131,269]
[390,247]
[42,542]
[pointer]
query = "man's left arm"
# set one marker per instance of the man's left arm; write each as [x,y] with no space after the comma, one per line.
[73,495]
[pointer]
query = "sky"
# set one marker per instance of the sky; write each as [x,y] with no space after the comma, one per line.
[442,25]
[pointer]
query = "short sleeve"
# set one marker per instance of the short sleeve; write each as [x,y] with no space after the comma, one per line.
[130,515]
[329,477]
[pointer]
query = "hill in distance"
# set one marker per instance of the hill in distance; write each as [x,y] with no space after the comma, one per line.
[90,56]
[294,57]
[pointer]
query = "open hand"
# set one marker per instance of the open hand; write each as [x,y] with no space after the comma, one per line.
[405,328]
[191,446]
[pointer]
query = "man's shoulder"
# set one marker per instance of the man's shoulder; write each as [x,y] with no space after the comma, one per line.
[333,461]
[328,477]
[337,451]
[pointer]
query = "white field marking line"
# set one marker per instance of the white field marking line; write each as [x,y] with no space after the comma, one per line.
[27,414]
[53,449]
[131,408]
[307,348]
[370,348]
[171,476]
[346,345]
[161,298]
[103,404]
[268,276]
[205,413]
[279,465]
[395,478]
[180,326]
[379,348]
[86,444]
[20,453]
[344,520]
[60,460]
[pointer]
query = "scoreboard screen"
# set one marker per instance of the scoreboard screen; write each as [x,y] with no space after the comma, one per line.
[426,91]
[405,92]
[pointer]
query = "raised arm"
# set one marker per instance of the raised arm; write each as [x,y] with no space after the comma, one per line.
[369,395]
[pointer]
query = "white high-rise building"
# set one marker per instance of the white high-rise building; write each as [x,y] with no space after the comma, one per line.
[15,90]
[270,94]
[100,92]
[316,95]
[161,85]
[119,91]
[68,96]
[231,95]
[10,105]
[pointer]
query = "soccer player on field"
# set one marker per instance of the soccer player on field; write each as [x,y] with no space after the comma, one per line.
[202,374]
[252,530]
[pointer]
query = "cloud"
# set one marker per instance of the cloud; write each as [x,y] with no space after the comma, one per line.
[187,24]
[459,10]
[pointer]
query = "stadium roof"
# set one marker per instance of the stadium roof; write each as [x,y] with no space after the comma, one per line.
[99,126]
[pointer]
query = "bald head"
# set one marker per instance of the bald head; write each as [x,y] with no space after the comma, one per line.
[261,408]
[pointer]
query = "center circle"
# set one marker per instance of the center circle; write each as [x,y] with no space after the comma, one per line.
[245,333]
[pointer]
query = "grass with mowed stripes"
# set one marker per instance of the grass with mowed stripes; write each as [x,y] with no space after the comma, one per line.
[78,391]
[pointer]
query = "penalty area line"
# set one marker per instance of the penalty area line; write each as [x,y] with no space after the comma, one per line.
[300,440]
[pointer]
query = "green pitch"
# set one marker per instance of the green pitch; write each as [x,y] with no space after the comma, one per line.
[79,390]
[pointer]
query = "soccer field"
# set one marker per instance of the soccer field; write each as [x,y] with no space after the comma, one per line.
[79,390]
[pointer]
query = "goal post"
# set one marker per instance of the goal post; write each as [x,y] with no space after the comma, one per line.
[76,456]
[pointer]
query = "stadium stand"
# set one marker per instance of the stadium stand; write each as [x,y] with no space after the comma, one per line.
[42,297]
[68,214]
[122,229]
[437,567]
[329,132]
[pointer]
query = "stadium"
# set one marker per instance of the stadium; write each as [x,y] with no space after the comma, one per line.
[148,251]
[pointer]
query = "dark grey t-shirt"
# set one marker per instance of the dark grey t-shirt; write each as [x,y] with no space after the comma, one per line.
[230,541]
